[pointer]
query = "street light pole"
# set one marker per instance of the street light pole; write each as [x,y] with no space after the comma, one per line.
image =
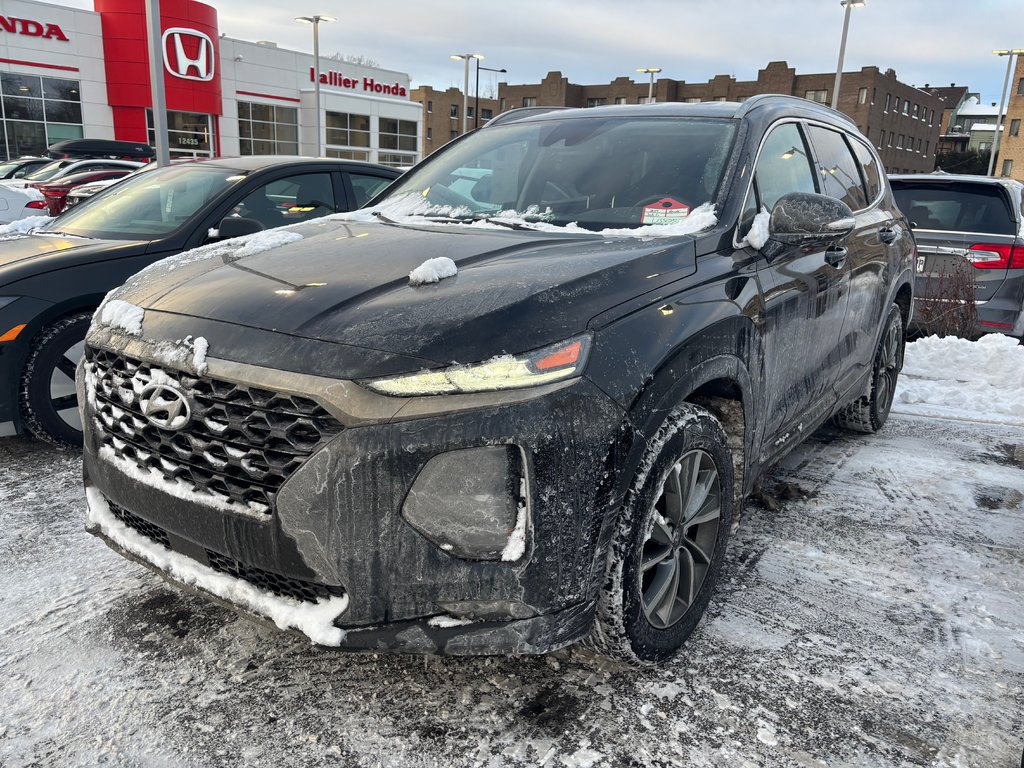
[315,21]
[650,88]
[476,108]
[464,58]
[1008,53]
[156,77]
[848,4]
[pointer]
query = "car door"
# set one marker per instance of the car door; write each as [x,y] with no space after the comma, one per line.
[804,301]
[867,258]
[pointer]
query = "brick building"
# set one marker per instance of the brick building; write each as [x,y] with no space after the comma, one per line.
[442,115]
[953,98]
[899,119]
[1010,161]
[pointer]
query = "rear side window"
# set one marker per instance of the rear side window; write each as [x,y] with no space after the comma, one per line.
[955,207]
[871,173]
[839,171]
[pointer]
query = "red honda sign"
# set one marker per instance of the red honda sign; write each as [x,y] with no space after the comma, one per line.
[31,28]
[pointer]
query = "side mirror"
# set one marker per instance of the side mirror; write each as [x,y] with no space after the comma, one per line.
[236,226]
[802,218]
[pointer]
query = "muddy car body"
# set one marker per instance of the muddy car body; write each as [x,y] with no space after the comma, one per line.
[547,445]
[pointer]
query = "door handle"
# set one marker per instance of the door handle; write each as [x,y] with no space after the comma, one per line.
[888,235]
[835,255]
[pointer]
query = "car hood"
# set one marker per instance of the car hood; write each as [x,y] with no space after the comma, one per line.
[349,284]
[49,251]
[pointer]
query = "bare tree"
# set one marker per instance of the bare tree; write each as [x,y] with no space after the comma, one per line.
[351,58]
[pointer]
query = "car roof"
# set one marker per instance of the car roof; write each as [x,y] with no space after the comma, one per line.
[260,162]
[949,178]
[785,105]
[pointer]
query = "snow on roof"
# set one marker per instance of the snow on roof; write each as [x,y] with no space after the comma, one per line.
[984,127]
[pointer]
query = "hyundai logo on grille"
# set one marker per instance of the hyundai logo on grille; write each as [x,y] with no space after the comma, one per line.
[164,406]
[188,54]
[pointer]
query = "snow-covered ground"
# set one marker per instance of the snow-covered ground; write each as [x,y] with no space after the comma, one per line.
[875,619]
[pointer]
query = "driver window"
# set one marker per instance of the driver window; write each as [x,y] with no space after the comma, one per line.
[289,200]
[783,166]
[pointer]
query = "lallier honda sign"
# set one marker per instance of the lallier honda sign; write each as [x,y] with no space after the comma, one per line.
[30,28]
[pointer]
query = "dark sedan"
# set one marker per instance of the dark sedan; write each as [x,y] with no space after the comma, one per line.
[53,279]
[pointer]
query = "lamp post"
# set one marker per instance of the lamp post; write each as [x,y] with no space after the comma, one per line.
[652,71]
[848,4]
[1008,53]
[476,107]
[315,21]
[464,58]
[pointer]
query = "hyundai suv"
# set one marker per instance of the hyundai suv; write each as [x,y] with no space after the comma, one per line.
[506,421]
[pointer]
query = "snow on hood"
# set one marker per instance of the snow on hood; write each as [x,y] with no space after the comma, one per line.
[433,270]
[412,209]
[315,620]
[121,316]
[21,227]
[954,378]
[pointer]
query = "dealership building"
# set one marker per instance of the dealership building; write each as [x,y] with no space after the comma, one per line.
[68,73]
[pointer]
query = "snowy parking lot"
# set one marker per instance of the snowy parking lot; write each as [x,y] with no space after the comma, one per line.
[871,613]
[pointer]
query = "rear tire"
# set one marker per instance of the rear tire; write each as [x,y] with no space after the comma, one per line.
[869,412]
[669,543]
[49,404]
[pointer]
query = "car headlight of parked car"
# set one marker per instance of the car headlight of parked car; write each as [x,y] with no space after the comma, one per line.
[530,369]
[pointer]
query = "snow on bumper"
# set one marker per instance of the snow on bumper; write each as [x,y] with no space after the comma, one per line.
[315,620]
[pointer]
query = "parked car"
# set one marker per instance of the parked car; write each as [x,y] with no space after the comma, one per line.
[56,192]
[52,279]
[970,244]
[436,428]
[20,198]
[16,168]
[85,191]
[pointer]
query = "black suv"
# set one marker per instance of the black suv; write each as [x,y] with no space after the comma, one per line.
[518,400]
[970,245]
[52,279]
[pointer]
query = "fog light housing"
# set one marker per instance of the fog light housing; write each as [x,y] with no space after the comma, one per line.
[468,502]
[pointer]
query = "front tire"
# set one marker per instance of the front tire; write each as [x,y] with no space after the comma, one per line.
[670,541]
[868,413]
[49,404]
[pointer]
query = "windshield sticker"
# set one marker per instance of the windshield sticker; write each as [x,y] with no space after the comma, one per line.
[666,211]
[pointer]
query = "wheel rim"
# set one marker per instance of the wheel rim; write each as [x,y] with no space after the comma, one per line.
[676,556]
[888,367]
[63,398]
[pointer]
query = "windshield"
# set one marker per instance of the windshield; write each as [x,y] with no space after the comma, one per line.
[597,172]
[48,171]
[148,205]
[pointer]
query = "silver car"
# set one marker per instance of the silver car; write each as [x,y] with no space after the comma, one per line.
[970,245]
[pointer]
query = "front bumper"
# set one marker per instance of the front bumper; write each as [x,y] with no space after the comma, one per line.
[337,523]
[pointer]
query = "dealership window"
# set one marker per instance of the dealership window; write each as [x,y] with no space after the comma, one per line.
[37,112]
[1007,167]
[862,96]
[188,133]
[267,129]
[820,96]
[1015,127]
[397,135]
[348,135]
[596,102]
[529,101]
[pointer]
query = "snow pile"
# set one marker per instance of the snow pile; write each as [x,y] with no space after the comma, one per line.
[979,380]
[33,194]
[122,316]
[23,226]
[433,270]
[315,620]
[199,348]
[516,544]
[758,234]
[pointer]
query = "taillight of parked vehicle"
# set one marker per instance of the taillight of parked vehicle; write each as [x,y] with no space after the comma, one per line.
[996,256]
[36,205]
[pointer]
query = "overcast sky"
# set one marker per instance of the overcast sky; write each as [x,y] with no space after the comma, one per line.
[594,41]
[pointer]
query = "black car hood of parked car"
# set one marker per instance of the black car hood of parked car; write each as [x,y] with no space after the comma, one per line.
[25,255]
[349,284]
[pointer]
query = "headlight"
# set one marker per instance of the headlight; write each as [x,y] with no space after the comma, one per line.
[543,366]
[5,300]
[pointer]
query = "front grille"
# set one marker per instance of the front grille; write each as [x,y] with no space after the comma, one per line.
[239,447]
[268,581]
[136,523]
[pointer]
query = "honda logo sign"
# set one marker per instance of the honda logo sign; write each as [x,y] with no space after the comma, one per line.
[188,54]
